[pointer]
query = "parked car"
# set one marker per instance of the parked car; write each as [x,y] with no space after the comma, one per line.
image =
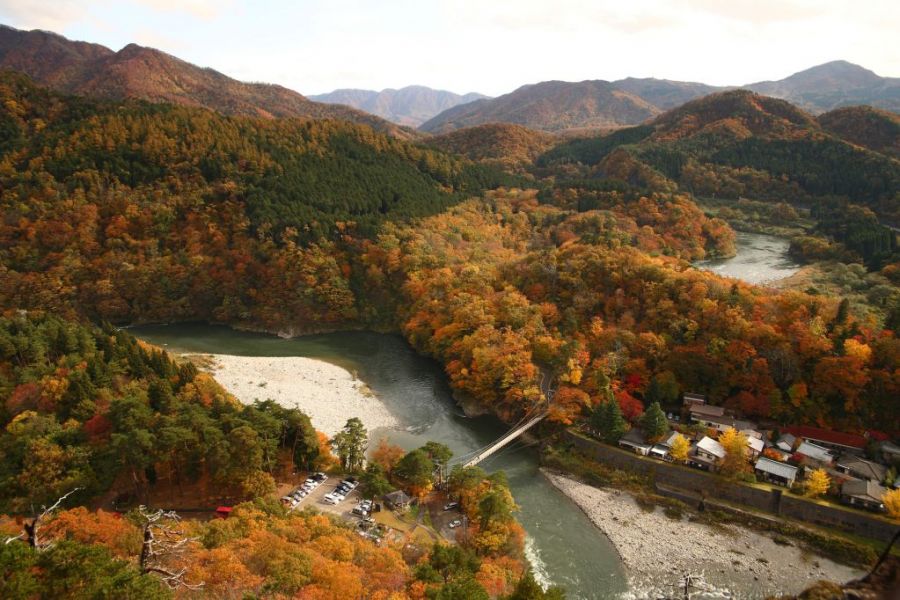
[320,477]
[451,506]
[455,523]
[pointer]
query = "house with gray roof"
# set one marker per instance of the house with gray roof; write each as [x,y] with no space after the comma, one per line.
[635,441]
[815,453]
[775,472]
[865,494]
[861,468]
[706,454]
[786,442]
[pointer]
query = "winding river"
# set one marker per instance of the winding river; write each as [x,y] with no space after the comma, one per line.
[760,258]
[562,544]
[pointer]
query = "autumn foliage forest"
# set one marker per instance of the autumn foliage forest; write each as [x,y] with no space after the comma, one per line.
[130,212]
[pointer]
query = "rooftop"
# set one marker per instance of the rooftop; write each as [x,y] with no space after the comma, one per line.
[707,411]
[773,467]
[869,490]
[712,446]
[866,468]
[815,452]
[839,438]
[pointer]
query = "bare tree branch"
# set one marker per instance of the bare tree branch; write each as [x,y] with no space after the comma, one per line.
[164,540]
[30,533]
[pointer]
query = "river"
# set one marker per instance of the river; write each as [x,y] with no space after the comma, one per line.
[562,544]
[760,258]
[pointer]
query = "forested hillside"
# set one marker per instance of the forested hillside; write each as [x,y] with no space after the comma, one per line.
[218,217]
[737,144]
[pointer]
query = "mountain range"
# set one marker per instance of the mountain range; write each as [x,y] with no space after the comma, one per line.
[560,106]
[411,105]
[147,74]
[551,106]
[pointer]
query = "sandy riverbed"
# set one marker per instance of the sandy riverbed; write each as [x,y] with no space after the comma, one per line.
[657,549]
[327,393]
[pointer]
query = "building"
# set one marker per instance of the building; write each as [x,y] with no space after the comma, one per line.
[398,500]
[706,454]
[670,439]
[634,440]
[833,440]
[705,410]
[861,468]
[865,494]
[815,453]
[693,399]
[755,445]
[775,472]
[723,422]
[786,442]
[890,453]
[660,451]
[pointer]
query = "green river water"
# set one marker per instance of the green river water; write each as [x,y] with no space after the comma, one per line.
[562,544]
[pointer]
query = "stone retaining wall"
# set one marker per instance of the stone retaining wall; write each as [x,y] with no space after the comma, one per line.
[700,484]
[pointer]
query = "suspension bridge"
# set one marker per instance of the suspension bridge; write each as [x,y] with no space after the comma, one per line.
[531,418]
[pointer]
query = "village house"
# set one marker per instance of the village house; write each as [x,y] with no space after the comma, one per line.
[690,400]
[865,494]
[660,451]
[397,500]
[755,445]
[723,422]
[634,440]
[890,453]
[775,472]
[670,439]
[832,440]
[706,454]
[861,468]
[699,411]
[786,443]
[815,454]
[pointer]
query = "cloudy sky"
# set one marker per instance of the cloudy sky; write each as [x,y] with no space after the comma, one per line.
[489,46]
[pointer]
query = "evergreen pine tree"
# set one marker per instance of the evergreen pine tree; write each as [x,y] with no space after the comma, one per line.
[654,422]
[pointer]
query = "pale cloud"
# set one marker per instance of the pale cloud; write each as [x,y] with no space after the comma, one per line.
[52,16]
[202,9]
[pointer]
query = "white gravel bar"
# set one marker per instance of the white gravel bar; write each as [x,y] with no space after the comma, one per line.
[327,393]
[658,550]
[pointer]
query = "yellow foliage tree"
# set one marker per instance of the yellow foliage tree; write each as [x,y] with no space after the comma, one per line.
[735,461]
[891,501]
[680,447]
[816,484]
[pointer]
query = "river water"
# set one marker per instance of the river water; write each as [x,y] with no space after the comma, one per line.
[760,258]
[562,544]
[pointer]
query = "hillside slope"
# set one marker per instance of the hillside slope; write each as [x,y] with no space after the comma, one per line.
[739,143]
[501,143]
[868,127]
[411,105]
[148,74]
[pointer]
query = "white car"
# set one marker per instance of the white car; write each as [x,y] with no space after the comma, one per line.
[455,523]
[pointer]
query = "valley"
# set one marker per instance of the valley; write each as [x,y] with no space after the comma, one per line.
[211,289]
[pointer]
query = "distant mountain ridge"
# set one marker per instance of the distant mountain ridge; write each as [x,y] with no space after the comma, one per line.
[411,105]
[834,85]
[556,106]
[148,74]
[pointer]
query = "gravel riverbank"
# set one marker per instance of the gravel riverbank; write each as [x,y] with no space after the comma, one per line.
[327,393]
[657,549]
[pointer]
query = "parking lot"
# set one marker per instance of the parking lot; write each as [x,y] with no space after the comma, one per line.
[315,499]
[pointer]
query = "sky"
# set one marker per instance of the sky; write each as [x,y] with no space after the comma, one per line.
[486,46]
